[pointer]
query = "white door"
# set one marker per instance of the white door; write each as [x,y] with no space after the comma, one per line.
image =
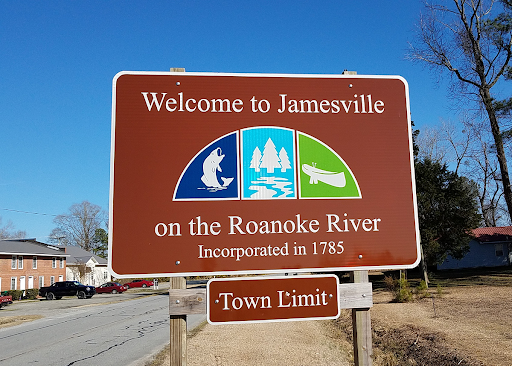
[22,283]
[61,278]
[30,282]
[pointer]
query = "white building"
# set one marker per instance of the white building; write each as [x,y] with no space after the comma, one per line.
[86,267]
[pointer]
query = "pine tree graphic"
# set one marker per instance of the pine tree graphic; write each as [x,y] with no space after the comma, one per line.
[270,159]
[256,157]
[285,161]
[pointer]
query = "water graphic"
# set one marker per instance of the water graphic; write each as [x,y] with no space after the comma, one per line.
[265,183]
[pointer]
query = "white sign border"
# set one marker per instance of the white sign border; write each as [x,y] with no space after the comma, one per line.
[256,272]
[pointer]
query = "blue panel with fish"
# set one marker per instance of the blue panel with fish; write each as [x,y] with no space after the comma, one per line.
[213,173]
[268,163]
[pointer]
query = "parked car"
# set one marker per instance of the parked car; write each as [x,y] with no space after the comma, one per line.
[138,283]
[67,288]
[5,300]
[110,287]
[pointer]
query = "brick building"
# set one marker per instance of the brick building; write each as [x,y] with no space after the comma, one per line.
[27,263]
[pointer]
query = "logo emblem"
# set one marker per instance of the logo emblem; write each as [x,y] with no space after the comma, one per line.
[266,163]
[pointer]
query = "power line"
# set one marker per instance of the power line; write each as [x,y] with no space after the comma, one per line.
[27,212]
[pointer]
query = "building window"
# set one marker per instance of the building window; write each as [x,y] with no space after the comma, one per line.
[498,249]
[62,263]
[14,261]
[105,275]
[54,262]
[20,262]
[41,281]
[52,280]
[34,262]
[13,283]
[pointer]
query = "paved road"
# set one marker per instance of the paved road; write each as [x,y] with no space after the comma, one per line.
[121,333]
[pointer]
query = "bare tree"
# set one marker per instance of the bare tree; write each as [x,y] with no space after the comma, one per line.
[458,142]
[472,40]
[444,144]
[482,166]
[470,152]
[78,226]
[79,271]
[431,145]
[7,231]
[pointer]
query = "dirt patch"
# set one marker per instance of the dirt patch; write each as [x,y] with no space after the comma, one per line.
[9,321]
[286,343]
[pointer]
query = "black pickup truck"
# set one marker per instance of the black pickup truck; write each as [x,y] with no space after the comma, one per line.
[67,288]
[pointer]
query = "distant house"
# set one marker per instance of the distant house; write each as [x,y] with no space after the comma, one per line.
[86,267]
[27,264]
[492,247]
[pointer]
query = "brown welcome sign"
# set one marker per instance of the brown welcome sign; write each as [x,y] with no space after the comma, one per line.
[253,173]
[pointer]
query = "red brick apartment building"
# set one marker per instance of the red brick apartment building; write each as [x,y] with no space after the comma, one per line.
[27,263]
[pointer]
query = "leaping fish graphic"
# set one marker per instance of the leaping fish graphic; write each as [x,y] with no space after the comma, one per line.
[210,167]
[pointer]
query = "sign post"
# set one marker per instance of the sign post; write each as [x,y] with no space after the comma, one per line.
[178,323]
[178,327]
[362,328]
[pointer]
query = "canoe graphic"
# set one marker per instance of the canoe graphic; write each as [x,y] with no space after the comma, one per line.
[331,178]
[318,162]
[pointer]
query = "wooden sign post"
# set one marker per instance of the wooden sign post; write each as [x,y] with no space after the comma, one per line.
[178,326]
[178,323]
[362,328]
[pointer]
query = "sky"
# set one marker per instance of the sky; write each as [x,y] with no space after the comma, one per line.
[58,60]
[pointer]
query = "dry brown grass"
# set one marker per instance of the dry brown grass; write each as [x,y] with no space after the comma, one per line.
[469,323]
[476,321]
[9,321]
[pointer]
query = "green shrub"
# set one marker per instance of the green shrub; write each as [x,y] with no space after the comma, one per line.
[16,294]
[439,290]
[422,290]
[403,295]
[31,294]
[403,291]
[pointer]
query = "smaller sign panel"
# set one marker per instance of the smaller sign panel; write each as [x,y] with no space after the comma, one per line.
[265,299]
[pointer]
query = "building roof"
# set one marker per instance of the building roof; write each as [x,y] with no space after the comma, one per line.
[78,255]
[30,247]
[493,234]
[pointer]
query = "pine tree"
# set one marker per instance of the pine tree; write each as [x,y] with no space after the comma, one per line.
[285,161]
[256,157]
[270,159]
[447,211]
